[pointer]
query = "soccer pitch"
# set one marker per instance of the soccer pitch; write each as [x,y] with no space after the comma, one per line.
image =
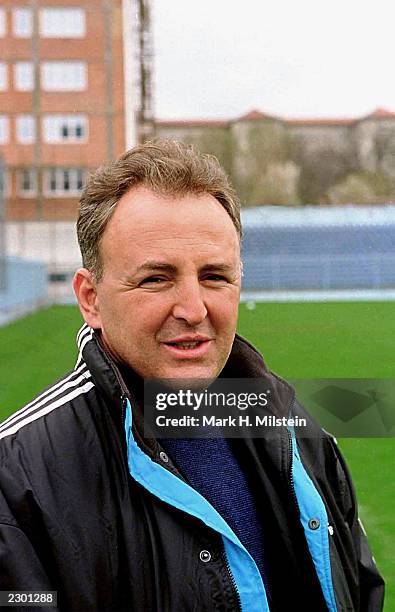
[298,340]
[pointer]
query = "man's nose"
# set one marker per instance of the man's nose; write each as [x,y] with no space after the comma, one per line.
[189,303]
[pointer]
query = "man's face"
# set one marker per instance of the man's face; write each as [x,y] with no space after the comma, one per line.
[167,303]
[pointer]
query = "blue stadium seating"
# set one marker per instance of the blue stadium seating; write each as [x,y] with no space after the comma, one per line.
[318,257]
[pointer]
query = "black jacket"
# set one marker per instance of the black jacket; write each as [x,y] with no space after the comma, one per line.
[93,510]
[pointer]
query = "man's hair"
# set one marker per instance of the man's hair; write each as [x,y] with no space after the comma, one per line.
[168,168]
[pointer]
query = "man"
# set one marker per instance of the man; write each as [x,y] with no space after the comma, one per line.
[113,520]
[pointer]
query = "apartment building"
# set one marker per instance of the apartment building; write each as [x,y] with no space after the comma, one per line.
[69,98]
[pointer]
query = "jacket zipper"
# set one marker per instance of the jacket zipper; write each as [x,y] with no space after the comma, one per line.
[290,457]
[123,410]
[231,578]
[290,474]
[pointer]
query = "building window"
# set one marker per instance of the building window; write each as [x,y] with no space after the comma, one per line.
[27,182]
[4,129]
[25,129]
[62,23]
[65,128]
[24,76]
[3,23]
[64,181]
[63,76]
[3,76]
[22,20]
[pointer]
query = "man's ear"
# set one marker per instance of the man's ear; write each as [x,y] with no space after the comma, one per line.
[85,291]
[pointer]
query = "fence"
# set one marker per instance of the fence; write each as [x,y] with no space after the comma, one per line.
[355,254]
[285,272]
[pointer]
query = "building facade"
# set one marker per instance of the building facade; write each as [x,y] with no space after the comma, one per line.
[69,98]
[273,160]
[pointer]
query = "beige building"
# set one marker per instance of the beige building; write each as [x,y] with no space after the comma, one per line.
[274,160]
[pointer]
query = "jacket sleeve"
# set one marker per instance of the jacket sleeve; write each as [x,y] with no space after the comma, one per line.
[371,584]
[20,566]
[21,569]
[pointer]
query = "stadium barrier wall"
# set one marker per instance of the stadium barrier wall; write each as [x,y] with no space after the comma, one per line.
[26,288]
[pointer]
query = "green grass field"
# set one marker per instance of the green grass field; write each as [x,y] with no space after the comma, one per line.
[303,340]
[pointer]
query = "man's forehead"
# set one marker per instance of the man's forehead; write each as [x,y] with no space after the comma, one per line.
[191,231]
[141,205]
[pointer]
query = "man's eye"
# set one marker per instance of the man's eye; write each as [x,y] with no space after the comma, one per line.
[216,278]
[154,280]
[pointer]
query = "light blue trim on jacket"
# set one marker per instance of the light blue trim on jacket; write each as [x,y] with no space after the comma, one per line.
[311,506]
[174,491]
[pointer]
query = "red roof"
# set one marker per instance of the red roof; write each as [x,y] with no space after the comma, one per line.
[379,113]
[255,115]
[382,113]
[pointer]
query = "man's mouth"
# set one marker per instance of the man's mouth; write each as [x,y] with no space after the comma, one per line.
[188,347]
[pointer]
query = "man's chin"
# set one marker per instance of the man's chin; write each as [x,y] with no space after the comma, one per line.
[189,378]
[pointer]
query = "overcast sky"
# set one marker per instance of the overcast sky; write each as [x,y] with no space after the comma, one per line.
[293,58]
